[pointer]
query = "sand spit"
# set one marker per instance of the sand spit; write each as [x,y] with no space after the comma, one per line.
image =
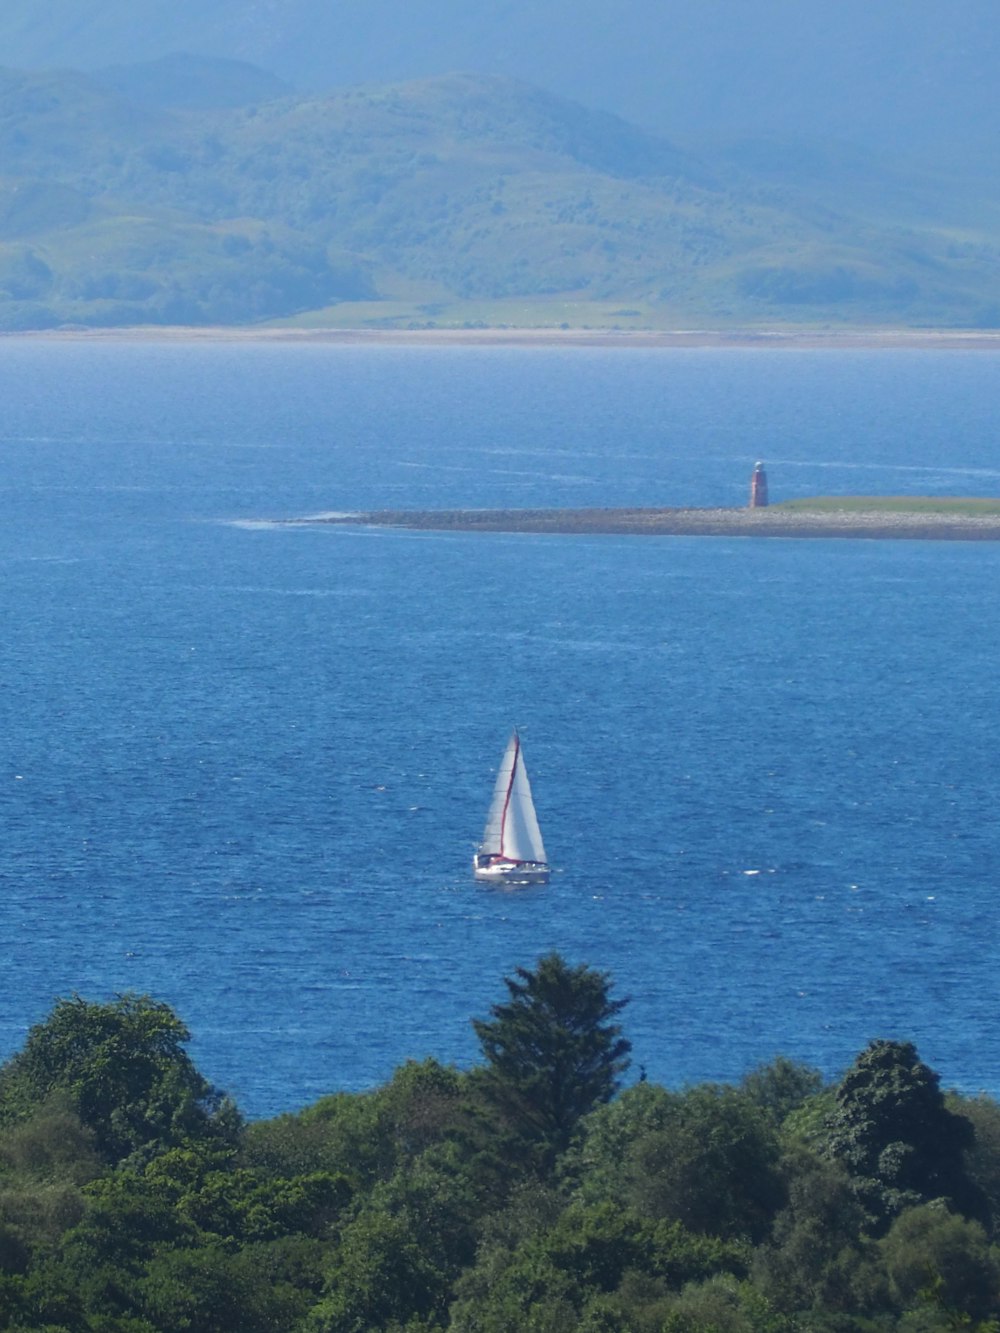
[773,522]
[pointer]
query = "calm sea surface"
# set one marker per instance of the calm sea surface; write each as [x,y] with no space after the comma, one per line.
[243,766]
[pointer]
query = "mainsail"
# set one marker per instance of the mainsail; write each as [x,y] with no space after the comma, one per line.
[511,826]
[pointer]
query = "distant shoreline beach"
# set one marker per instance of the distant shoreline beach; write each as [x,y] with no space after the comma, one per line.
[834,339]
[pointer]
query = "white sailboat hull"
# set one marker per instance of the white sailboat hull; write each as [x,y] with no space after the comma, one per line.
[492,871]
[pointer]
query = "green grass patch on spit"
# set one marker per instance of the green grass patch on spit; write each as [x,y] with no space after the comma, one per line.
[893,504]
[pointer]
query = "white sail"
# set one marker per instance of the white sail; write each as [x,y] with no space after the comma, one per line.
[511,826]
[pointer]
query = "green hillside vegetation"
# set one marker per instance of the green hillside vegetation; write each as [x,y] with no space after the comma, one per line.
[910,76]
[447,202]
[540,1189]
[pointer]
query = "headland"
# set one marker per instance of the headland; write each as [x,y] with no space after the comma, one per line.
[919,518]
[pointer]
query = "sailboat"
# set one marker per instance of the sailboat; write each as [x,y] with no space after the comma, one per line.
[511,851]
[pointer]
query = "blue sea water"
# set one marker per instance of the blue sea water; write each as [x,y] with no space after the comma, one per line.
[243,765]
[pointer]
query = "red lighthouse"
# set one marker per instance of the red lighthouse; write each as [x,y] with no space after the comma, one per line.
[758,488]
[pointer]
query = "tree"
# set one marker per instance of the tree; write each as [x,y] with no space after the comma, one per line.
[713,1166]
[782,1087]
[599,1162]
[122,1069]
[723,1305]
[548,1279]
[209,1286]
[983,1159]
[364,1136]
[379,1278]
[899,1142]
[817,1258]
[936,1259]
[707,1158]
[553,1052]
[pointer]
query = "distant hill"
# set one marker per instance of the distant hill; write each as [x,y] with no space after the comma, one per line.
[178,193]
[911,77]
[194,82]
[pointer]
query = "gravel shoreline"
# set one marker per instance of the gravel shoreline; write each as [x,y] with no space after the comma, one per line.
[683,522]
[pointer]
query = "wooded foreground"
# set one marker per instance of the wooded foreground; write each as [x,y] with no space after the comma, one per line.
[532,1191]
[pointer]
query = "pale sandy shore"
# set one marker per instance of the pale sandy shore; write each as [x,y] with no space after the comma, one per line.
[682,523]
[864,338]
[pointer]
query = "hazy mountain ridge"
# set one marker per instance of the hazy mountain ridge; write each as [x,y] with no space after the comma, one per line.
[909,76]
[195,82]
[464,188]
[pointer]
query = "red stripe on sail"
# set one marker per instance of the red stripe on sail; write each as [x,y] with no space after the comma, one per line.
[506,799]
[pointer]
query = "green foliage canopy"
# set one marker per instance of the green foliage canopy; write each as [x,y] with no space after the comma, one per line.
[132,1201]
[895,1135]
[122,1069]
[706,1158]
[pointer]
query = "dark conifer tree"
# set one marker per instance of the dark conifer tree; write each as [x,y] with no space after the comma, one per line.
[554,1052]
[897,1139]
